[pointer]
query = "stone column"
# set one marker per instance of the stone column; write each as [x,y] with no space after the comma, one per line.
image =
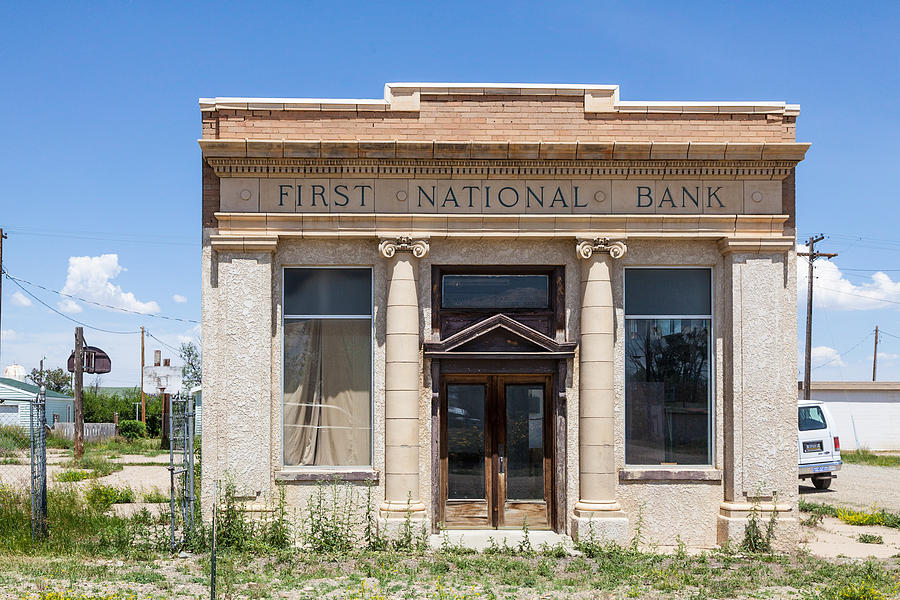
[401,383]
[759,330]
[597,513]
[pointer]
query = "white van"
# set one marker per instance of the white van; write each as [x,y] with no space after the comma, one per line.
[818,448]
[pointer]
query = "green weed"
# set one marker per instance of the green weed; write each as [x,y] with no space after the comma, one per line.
[101,497]
[870,538]
[72,475]
[867,457]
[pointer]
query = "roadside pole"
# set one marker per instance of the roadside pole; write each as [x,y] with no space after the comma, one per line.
[875,355]
[79,400]
[143,403]
[812,255]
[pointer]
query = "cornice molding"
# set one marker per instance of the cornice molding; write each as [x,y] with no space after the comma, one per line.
[506,169]
[791,152]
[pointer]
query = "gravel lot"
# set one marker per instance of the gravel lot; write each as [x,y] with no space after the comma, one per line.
[859,486]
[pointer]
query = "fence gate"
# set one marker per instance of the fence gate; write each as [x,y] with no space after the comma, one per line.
[39,466]
[181,466]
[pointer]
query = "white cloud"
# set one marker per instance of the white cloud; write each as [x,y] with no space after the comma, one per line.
[89,277]
[888,356]
[7,334]
[825,356]
[20,299]
[179,298]
[834,291]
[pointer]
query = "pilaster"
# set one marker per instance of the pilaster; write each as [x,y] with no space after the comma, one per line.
[760,433]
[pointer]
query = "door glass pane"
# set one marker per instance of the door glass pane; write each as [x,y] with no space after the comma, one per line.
[524,442]
[495,291]
[465,441]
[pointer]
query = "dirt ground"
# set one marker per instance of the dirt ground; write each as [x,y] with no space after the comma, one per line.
[860,487]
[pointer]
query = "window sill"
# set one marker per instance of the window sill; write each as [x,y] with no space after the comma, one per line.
[327,475]
[670,474]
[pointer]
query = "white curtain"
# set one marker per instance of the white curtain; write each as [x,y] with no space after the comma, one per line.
[327,397]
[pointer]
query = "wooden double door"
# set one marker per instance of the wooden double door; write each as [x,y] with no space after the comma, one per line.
[496,452]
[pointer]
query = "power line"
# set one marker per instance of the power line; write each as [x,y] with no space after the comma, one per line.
[173,349]
[845,352]
[858,295]
[65,316]
[100,304]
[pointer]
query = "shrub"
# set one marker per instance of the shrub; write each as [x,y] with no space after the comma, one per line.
[71,475]
[870,538]
[101,497]
[132,429]
[155,497]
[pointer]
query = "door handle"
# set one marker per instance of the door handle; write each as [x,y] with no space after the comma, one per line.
[501,451]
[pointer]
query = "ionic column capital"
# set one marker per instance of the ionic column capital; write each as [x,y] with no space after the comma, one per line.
[389,247]
[586,248]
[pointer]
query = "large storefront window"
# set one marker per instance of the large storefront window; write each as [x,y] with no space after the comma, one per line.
[668,318]
[327,413]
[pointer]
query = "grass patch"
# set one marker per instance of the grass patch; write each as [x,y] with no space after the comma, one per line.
[867,457]
[99,465]
[70,595]
[72,475]
[101,497]
[13,440]
[155,496]
[77,527]
[869,538]
[851,516]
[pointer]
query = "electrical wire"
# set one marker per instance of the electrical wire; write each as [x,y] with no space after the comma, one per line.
[100,304]
[65,316]
[845,352]
[172,348]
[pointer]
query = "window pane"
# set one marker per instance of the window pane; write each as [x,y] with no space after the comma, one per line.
[465,441]
[327,292]
[667,292]
[525,442]
[327,392]
[495,291]
[811,418]
[667,399]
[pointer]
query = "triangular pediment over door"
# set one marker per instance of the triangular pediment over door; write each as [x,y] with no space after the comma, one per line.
[499,336]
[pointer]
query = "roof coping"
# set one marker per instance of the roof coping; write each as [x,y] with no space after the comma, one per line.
[406,97]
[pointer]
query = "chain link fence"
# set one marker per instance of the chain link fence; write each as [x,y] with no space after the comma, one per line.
[15,444]
[181,468]
[23,455]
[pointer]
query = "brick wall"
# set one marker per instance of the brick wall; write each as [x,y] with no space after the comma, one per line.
[497,118]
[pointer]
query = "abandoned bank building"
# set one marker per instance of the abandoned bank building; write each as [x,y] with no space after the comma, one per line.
[501,304]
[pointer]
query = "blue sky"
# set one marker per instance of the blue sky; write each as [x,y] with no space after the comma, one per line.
[100,159]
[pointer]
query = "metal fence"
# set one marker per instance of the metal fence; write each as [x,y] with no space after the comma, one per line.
[15,445]
[181,467]
[39,466]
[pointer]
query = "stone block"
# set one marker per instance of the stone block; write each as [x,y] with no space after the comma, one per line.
[762,197]
[239,194]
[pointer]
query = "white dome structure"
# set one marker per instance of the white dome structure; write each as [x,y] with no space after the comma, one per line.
[15,371]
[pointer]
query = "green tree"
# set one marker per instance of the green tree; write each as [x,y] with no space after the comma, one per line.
[56,380]
[190,371]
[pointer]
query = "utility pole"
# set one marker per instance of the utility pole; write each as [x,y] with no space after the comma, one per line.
[79,400]
[2,237]
[875,355]
[143,404]
[812,255]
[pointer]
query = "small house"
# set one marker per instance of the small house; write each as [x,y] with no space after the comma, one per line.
[15,404]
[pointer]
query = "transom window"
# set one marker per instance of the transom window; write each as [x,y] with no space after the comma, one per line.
[327,370]
[668,397]
[464,295]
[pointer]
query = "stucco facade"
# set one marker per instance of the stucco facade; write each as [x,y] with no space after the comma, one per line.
[568,181]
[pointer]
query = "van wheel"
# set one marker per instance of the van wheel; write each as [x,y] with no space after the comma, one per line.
[822,483]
